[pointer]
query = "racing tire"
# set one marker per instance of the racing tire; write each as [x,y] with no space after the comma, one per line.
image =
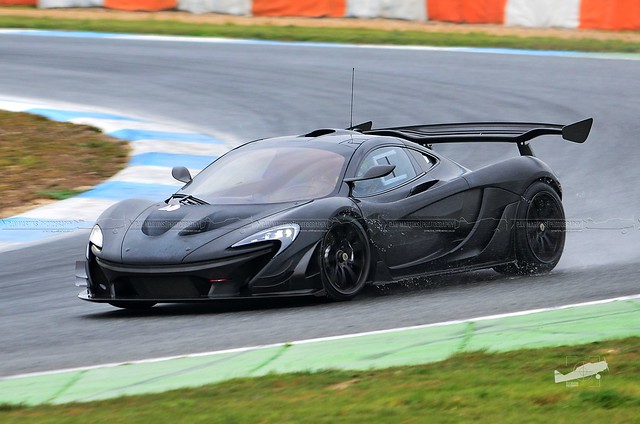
[345,258]
[540,232]
[132,305]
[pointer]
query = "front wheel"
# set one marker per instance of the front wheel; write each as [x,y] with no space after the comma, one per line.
[345,258]
[540,232]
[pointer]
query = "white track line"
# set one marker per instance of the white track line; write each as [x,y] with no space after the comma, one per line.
[329,338]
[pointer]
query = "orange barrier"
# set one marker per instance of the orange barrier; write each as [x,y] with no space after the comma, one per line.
[18,2]
[610,14]
[616,15]
[308,8]
[144,5]
[469,11]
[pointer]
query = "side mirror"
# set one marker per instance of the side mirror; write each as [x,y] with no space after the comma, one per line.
[372,173]
[181,174]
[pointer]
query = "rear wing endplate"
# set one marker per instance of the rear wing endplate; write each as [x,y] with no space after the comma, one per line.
[520,133]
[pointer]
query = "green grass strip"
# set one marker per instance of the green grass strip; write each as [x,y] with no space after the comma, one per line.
[476,386]
[319,34]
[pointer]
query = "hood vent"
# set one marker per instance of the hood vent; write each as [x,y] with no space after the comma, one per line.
[207,224]
[159,222]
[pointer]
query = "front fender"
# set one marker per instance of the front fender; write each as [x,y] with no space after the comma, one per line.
[116,221]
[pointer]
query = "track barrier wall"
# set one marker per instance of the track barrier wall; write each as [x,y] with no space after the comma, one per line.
[18,2]
[49,4]
[309,8]
[140,5]
[611,15]
[467,11]
[415,10]
[544,13]
[615,15]
[229,7]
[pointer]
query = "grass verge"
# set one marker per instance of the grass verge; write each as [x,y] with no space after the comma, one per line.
[322,34]
[45,160]
[508,387]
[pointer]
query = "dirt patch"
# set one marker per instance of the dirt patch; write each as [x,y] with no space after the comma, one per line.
[344,385]
[43,161]
[383,24]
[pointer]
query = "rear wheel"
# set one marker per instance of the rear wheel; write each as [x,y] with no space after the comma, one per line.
[345,258]
[132,305]
[540,232]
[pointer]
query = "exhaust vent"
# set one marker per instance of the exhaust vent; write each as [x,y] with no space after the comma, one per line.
[319,133]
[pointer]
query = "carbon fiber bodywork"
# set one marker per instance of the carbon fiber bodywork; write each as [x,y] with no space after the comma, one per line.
[443,219]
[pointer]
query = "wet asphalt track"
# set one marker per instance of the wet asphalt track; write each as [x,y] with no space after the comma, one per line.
[250,91]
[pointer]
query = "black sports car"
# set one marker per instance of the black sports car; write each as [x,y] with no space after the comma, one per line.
[326,212]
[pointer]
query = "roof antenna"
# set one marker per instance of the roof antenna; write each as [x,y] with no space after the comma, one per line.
[353,77]
[365,126]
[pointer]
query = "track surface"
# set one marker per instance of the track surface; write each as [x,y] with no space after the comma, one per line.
[254,91]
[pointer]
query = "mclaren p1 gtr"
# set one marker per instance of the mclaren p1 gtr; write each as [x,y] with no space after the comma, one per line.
[327,212]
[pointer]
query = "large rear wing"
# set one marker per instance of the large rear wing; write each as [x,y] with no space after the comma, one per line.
[519,133]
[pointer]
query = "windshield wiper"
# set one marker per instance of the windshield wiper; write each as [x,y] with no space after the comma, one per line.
[188,199]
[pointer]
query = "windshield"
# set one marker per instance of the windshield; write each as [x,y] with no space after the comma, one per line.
[268,175]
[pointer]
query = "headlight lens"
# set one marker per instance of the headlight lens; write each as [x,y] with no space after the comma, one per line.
[96,236]
[286,234]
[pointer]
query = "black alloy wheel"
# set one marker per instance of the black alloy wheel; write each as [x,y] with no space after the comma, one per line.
[345,257]
[545,227]
[540,232]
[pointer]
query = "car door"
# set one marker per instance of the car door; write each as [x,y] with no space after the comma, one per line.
[419,212]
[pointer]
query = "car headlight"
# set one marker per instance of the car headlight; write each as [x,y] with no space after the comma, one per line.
[96,236]
[286,234]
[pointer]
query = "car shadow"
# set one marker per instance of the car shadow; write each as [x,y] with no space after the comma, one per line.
[408,287]
[209,307]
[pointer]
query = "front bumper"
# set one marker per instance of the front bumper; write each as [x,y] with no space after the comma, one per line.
[237,277]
